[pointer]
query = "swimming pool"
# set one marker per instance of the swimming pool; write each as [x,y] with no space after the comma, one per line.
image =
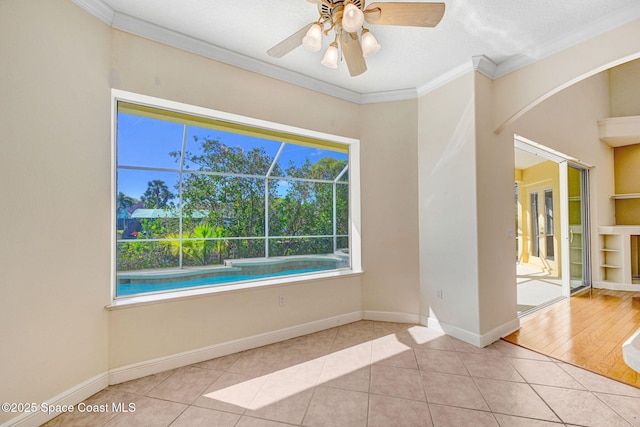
[133,288]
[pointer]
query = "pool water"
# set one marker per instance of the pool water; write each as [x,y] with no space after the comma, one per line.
[126,289]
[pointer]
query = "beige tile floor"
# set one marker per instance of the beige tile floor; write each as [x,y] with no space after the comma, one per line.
[371,374]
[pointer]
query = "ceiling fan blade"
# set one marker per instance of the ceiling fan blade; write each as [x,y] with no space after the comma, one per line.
[408,14]
[353,53]
[288,44]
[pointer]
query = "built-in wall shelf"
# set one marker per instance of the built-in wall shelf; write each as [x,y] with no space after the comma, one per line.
[625,196]
[620,131]
[615,263]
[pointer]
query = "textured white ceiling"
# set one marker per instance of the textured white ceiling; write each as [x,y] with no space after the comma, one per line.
[508,32]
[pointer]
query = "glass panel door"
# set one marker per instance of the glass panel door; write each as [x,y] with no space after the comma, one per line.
[549,231]
[576,267]
[535,228]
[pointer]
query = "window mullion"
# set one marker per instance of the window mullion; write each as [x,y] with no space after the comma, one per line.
[180,201]
[266,199]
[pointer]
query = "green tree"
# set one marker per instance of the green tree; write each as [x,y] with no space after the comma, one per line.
[307,208]
[197,246]
[124,202]
[157,195]
[235,204]
[217,208]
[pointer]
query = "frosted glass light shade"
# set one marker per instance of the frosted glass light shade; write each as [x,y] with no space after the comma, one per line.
[330,58]
[352,18]
[312,41]
[369,44]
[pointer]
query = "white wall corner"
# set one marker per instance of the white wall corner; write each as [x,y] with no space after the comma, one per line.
[390,316]
[454,331]
[499,332]
[471,337]
[485,66]
[73,396]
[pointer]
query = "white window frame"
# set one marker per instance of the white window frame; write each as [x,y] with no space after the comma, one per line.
[354,219]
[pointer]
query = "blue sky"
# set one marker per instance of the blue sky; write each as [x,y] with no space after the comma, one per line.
[147,142]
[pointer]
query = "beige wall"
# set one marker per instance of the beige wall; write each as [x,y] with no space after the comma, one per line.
[55,192]
[447,208]
[147,332]
[142,66]
[390,207]
[496,228]
[519,91]
[436,181]
[624,82]
[467,229]
[627,180]
[627,172]
[465,244]
[388,146]
[567,122]
[142,333]
[625,90]
[56,114]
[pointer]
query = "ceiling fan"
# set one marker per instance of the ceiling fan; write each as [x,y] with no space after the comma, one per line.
[346,18]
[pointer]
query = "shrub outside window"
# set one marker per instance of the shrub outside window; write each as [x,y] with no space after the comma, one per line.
[204,202]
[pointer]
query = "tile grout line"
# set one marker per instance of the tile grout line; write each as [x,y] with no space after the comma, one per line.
[612,408]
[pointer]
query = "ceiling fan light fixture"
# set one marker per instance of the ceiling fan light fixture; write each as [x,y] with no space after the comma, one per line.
[370,45]
[352,18]
[312,41]
[345,20]
[330,58]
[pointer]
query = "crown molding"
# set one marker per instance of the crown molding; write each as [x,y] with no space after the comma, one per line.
[181,41]
[388,96]
[98,9]
[480,63]
[484,65]
[445,78]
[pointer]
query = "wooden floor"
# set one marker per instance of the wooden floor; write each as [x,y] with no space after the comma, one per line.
[586,330]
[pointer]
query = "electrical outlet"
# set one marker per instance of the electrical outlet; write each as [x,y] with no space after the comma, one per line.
[282,300]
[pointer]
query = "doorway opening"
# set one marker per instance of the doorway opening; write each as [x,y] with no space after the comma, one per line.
[552,259]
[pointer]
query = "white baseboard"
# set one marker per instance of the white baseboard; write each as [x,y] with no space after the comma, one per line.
[390,316]
[73,396]
[149,367]
[470,337]
[617,286]
[499,332]
[92,386]
[86,389]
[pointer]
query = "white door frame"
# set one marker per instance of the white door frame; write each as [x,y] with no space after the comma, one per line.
[564,228]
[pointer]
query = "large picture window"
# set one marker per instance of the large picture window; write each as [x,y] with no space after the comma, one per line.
[204,202]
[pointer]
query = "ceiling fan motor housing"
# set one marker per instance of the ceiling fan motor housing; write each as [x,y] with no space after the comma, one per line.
[325,9]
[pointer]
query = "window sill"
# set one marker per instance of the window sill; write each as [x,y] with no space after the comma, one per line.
[170,296]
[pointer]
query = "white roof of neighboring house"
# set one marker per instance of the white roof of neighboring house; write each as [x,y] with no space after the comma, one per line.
[165,213]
